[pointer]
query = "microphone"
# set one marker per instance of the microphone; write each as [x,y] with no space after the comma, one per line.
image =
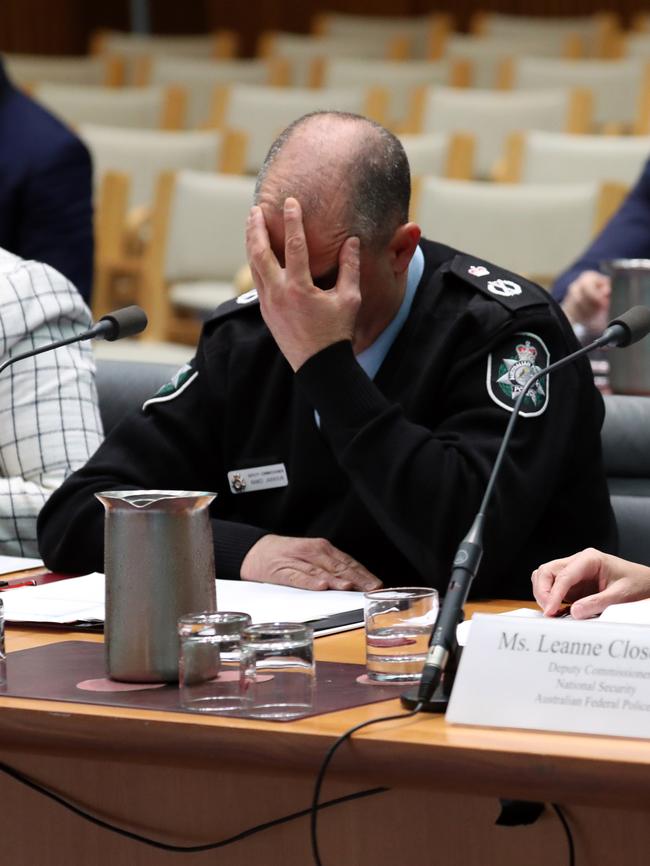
[628,328]
[126,322]
[122,323]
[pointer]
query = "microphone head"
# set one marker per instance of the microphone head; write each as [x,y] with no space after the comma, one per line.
[631,326]
[126,322]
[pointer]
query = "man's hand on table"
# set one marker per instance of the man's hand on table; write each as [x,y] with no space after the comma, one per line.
[306,563]
[302,318]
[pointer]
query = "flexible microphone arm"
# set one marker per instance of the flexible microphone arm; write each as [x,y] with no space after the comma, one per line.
[113,326]
[627,329]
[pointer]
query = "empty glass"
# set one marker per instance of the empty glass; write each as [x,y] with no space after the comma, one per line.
[209,670]
[278,668]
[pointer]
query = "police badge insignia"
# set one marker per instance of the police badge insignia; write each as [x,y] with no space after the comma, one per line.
[505,288]
[247,297]
[511,366]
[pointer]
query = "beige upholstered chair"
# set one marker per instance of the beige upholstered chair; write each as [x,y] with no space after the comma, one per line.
[144,153]
[617,86]
[305,55]
[135,49]
[593,30]
[641,21]
[197,246]
[424,33]
[29,69]
[532,229]
[556,157]
[139,107]
[199,76]
[487,55]
[127,164]
[491,115]
[440,154]
[263,112]
[398,79]
[637,44]
[221,43]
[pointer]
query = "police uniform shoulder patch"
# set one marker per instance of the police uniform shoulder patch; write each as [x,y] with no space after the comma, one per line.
[247,297]
[179,383]
[511,365]
[510,290]
[234,305]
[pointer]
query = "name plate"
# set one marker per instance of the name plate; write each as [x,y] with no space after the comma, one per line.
[585,677]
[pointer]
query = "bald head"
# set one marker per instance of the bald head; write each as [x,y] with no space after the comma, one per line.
[343,168]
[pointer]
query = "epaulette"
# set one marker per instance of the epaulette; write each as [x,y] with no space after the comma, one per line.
[510,290]
[234,305]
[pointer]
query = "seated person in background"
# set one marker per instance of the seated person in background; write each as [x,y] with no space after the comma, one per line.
[591,580]
[584,290]
[349,415]
[45,188]
[50,422]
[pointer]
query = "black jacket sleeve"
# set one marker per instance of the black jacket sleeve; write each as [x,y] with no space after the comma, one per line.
[424,486]
[168,445]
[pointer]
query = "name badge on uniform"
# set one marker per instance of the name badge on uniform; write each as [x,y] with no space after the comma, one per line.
[258,478]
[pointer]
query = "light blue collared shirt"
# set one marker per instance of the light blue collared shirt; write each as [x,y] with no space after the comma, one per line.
[371,359]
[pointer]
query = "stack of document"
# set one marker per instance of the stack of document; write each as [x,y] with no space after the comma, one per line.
[80,600]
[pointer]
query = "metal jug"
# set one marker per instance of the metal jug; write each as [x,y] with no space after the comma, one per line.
[159,565]
[630,367]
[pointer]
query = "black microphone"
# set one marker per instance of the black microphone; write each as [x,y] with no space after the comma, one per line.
[629,328]
[126,322]
[122,323]
[632,326]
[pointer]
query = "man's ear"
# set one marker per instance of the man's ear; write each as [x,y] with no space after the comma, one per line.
[402,246]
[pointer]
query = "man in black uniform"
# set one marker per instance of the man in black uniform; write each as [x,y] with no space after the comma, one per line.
[349,415]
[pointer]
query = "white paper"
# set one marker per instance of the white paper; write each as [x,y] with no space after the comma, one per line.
[463,629]
[632,612]
[82,599]
[78,599]
[269,602]
[17,563]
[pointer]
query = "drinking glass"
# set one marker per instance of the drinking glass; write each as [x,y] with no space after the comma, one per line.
[399,623]
[209,670]
[278,669]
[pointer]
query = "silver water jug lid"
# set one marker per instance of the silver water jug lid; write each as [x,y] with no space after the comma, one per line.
[163,500]
[613,266]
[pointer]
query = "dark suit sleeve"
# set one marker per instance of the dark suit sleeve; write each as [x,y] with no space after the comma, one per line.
[626,235]
[57,223]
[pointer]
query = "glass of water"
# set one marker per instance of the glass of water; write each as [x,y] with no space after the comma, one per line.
[278,669]
[399,623]
[209,669]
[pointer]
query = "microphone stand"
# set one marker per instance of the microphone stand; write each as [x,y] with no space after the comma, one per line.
[125,322]
[439,671]
[77,338]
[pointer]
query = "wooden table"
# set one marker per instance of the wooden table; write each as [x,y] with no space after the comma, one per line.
[187,779]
